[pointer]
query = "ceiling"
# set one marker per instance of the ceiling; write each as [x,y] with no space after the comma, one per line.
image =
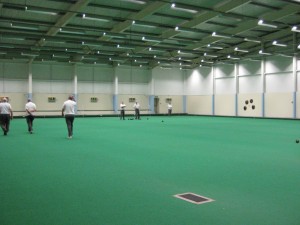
[145,33]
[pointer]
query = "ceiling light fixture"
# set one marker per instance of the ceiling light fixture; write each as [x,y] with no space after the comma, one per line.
[184,53]
[187,30]
[240,50]
[140,61]
[252,40]
[40,11]
[155,50]
[151,39]
[203,61]
[67,31]
[263,23]
[264,53]
[116,60]
[215,34]
[135,1]
[184,9]
[209,55]
[298,46]
[214,46]
[295,29]
[231,57]
[166,67]
[279,44]
[60,56]
[24,26]
[91,44]
[143,24]
[84,16]
[125,47]
[6,46]
[29,54]
[113,35]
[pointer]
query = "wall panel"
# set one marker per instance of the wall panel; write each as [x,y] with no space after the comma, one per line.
[225,105]
[199,82]
[201,104]
[250,84]
[250,105]
[279,105]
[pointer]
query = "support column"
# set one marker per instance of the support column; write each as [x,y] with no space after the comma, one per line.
[263,77]
[75,93]
[29,94]
[236,74]
[116,92]
[295,87]
[151,96]
[184,97]
[214,90]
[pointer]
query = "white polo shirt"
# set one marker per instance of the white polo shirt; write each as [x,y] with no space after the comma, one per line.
[31,107]
[69,107]
[5,108]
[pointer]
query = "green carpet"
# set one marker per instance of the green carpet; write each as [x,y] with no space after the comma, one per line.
[126,172]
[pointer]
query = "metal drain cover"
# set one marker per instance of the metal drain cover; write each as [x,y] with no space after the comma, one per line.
[193,198]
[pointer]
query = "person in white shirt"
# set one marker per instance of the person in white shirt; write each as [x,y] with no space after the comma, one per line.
[169,109]
[136,107]
[122,109]
[6,114]
[30,108]
[68,111]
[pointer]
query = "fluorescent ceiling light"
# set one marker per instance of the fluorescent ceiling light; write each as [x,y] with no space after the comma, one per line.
[181,68]
[215,34]
[252,40]
[140,61]
[214,46]
[143,24]
[279,44]
[240,50]
[263,23]
[67,31]
[116,60]
[89,58]
[135,1]
[91,44]
[125,47]
[203,61]
[184,9]
[231,57]
[204,66]
[151,39]
[114,35]
[295,29]
[29,54]
[60,56]
[6,46]
[209,55]
[105,53]
[184,53]
[187,30]
[24,26]
[54,41]
[264,53]
[298,46]
[40,11]
[155,50]
[84,16]
[13,38]
[3,53]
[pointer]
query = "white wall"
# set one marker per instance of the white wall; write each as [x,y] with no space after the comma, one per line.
[222,90]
